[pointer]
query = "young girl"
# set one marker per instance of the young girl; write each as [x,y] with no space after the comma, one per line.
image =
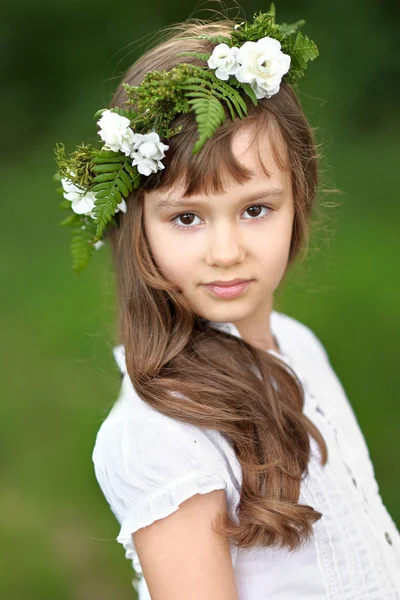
[232,458]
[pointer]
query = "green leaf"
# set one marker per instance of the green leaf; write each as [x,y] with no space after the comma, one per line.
[104,177]
[199,55]
[100,186]
[106,157]
[106,168]
[65,204]
[70,220]
[126,179]
[303,50]
[246,87]
[110,189]
[209,116]
[214,39]
[291,28]
[82,246]
[99,113]
[124,190]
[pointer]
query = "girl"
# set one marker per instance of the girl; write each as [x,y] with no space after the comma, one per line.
[232,458]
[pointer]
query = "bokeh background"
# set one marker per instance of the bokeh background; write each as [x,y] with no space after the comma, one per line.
[60,63]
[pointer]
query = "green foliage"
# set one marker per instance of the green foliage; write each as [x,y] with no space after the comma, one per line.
[299,47]
[158,100]
[207,94]
[200,55]
[110,176]
[122,112]
[213,39]
[114,179]
[76,166]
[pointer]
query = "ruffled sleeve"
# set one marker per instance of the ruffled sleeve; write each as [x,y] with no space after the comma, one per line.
[146,467]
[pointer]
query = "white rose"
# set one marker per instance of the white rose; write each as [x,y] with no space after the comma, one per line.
[147,152]
[223,59]
[115,131]
[262,65]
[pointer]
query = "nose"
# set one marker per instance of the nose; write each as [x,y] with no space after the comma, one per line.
[225,247]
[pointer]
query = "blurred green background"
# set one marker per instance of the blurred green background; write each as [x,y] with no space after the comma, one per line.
[60,64]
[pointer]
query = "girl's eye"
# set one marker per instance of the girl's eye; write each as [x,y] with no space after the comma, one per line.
[256,216]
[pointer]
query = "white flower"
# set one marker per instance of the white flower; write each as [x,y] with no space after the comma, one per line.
[116,132]
[121,206]
[83,204]
[262,65]
[147,152]
[98,245]
[223,59]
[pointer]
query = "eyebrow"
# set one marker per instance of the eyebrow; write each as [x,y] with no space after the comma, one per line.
[179,202]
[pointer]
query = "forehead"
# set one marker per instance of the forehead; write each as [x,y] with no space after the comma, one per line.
[262,153]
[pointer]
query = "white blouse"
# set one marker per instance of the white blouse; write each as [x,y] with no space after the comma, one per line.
[147,464]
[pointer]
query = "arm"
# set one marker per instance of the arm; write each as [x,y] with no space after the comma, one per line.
[183,558]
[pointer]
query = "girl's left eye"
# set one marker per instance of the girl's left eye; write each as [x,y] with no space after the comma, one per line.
[256,218]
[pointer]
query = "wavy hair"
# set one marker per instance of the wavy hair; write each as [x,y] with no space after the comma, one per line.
[186,370]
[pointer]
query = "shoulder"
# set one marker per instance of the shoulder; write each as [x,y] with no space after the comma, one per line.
[297,334]
[146,467]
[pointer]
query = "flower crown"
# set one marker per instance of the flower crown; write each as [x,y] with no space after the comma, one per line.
[251,62]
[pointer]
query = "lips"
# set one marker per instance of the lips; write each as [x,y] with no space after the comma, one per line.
[227,283]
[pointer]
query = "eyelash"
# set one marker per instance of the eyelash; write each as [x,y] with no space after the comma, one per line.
[193,226]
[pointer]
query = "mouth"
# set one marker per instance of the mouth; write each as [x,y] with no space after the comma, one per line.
[228,291]
[221,283]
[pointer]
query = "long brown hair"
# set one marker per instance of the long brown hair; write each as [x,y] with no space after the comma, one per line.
[169,348]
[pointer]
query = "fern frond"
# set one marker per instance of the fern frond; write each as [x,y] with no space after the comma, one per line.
[82,246]
[218,88]
[200,55]
[210,115]
[65,204]
[113,182]
[291,28]
[303,50]
[248,90]
[214,39]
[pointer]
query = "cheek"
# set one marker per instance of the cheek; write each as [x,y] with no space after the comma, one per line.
[166,249]
[275,245]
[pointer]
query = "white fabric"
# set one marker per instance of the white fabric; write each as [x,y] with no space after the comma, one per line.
[147,464]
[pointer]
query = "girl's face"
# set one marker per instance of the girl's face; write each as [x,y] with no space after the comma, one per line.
[243,233]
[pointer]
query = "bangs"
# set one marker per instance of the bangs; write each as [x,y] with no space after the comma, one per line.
[209,171]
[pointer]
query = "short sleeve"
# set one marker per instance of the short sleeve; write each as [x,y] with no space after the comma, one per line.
[146,467]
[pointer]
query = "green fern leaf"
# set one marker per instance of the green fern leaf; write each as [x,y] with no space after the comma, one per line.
[107,167]
[65,204]
[199,55]
[124,190]
[113,183]
[247,88]
[82,246]
[123,112]
[104,157]
[228,91]
[209,116]
[199,87]
[214,39]
[72,219]
[303,50]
